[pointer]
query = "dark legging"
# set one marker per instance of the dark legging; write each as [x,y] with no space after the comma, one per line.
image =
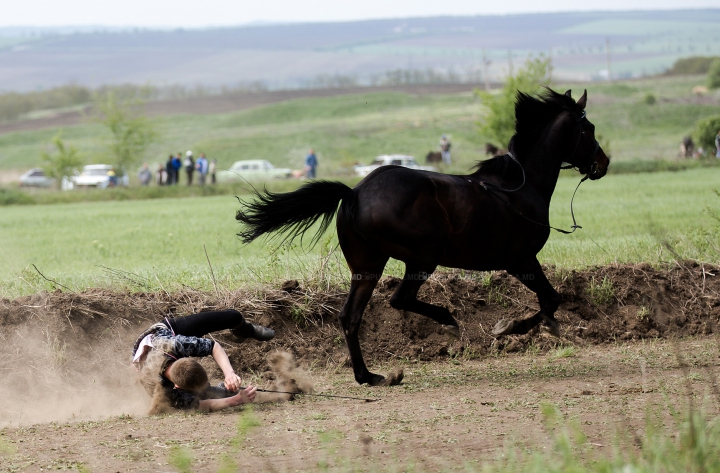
[199,325]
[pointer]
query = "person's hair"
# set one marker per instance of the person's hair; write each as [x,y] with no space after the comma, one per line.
[188,374]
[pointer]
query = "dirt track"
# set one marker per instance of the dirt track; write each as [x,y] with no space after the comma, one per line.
[66,356]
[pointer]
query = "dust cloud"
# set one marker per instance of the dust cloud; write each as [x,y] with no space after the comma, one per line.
[286,376]
[47,377]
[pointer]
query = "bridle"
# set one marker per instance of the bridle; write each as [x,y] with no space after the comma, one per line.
[594,168]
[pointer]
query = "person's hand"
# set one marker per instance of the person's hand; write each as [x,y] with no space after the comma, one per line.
[233,382]
[245,396]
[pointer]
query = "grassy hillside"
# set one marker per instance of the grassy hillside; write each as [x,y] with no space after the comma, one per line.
[362,52]
[349,129]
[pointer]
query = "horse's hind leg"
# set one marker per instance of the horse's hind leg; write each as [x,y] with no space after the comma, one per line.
[533,277]
[405,298]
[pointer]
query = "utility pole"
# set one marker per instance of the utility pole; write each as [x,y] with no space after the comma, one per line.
[486,63]
[607,55]
[550,65]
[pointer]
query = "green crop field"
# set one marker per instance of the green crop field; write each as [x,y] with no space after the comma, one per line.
[161,243]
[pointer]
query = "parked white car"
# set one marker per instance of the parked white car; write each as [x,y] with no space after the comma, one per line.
[36,178]
[98,176]
[253,170]
[390,159]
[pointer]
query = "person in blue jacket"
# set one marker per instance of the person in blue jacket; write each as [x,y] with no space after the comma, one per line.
[311,164]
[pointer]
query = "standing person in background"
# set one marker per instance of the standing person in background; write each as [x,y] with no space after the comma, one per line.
[202,168]
[144,175]
[112,178]
[311,164]
[211,170]
[161,175]
[176,165]
[717,145]
[189,166]
[169,170]
[445,149]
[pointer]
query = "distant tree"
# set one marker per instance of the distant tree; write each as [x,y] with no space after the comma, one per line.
[713,75]
[691,65]
[705,132]
[499,123]
[132,132]
[62,163]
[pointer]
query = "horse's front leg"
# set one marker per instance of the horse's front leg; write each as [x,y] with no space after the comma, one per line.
[533,277]
[361,289]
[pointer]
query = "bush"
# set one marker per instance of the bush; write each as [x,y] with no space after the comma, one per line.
[691,65]
[14,197]
[499,124]
[713,75]
[649,99]
[705,132]
[64,162]
[132,133]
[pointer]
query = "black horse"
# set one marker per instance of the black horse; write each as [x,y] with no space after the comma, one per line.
[494,218]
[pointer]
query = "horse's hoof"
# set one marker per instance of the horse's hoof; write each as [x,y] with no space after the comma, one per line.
[374,380]
[503,327]
[453,330]
[553,329]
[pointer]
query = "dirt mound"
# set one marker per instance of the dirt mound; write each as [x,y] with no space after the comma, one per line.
[77,342]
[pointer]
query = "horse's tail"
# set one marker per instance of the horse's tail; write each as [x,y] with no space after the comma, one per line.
[292,213]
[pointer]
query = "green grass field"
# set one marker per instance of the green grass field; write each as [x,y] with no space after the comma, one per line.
[625,218]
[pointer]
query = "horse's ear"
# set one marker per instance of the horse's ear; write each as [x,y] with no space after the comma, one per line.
[582,101]
[567,93]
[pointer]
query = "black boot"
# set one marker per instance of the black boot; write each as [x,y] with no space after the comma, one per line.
[248,330]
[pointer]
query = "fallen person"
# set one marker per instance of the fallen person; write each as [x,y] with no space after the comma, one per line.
[174,381]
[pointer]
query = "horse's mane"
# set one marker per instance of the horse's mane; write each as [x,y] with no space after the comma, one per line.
[532,116]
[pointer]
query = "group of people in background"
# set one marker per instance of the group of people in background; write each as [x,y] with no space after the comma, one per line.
[168,174]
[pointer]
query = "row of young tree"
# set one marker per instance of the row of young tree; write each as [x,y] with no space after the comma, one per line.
[131,134]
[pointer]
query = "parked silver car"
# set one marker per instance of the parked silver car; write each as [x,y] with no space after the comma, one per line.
[253,170]
[36,177]
[390,159]
[99,176]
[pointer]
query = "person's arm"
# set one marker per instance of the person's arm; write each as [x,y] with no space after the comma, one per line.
[232,380]
[245,396]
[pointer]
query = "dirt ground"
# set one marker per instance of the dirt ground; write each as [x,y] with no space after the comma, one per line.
[634,338]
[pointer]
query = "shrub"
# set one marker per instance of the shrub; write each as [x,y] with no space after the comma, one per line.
[713,75]
[649,99]
[132,133]
[691,65]
[499,124]
[64,162]
[705,132]
[13,197]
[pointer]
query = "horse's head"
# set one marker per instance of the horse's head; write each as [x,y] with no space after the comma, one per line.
[587,155]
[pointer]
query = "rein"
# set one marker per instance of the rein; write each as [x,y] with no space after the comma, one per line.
[315,394]
[491,188]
